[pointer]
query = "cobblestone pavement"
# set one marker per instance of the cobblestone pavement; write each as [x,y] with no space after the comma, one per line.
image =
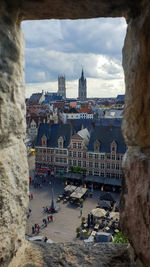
[63,228]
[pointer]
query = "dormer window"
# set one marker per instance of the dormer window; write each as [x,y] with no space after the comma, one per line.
[113,147]
[44,141]
[60,142]
[96,146]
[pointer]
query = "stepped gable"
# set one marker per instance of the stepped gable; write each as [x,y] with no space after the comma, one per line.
[106,135]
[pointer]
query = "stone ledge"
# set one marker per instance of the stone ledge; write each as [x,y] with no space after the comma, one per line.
[72,254]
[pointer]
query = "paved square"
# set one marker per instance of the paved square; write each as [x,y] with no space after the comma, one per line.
[63,228]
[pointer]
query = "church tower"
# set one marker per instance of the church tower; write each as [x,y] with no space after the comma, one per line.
[82,88]
[62,86]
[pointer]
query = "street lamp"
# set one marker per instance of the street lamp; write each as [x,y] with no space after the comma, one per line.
[52,199]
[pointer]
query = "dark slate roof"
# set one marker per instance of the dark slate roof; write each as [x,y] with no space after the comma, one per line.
[51,97]
[106,135]
[52,133]
[86,123]
[34,98]
[120,97]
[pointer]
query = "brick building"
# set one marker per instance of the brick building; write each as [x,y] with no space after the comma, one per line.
[100,152]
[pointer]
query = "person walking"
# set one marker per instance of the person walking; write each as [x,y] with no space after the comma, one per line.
[51,217]
[38,228]
[80,212]
[33,230]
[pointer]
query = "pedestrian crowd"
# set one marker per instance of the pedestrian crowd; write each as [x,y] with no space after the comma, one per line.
[36,227]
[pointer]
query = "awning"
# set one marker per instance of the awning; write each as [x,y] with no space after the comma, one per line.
[103,180]
[75,176]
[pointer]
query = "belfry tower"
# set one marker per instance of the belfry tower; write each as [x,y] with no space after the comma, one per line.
[62,86]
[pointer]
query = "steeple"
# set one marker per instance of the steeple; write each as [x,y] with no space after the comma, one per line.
[82,74]
[82,87]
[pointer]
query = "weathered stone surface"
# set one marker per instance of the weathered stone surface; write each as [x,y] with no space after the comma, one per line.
[135,203]
[136,64]
[13,162]
[79,9]
[136,125]
[50,255]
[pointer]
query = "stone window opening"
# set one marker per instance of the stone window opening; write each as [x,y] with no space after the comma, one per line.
[135,124]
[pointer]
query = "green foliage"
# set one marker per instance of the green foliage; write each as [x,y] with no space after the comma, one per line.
[120,238]
[77,169]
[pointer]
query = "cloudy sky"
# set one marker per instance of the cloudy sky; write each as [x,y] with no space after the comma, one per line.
[63,47]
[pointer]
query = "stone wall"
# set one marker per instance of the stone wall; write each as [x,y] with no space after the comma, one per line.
[13,158]
[135,204]
[135,209]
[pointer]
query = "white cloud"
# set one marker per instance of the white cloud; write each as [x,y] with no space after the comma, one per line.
[56,47]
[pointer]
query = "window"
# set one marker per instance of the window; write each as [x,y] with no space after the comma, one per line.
[108,165]
[79,154]
[96,156]
[96,173]
[44,150]
[79,163]
[113,148]
[60,144]
[117,175]
[84,155]
[113,166]
[113,157]
[84,163]
[70,153]
[79,145]
[117,157]
[108,175]
[70,162]
[74,154]
[90,156]
[112,175]
[74,162]
[102,157]
[102,166]
[90,173]
[102,174]
[90,164]
[108,156]
[96,164]
[117,166]
[96,146]
[74,145]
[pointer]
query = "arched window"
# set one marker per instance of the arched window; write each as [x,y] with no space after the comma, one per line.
[60,142]
[44,141]
[113,147]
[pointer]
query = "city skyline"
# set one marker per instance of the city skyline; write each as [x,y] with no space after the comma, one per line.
[64,47]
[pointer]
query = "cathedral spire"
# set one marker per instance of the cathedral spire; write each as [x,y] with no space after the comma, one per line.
[82,73]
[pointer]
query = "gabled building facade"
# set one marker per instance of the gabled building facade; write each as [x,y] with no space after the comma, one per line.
[100,152]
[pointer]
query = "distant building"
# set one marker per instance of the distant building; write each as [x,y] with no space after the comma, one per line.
[82,94]
[36,98]
[62,86]
[51,151]
[99,151]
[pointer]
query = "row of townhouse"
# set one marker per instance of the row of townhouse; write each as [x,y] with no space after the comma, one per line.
[100,152]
